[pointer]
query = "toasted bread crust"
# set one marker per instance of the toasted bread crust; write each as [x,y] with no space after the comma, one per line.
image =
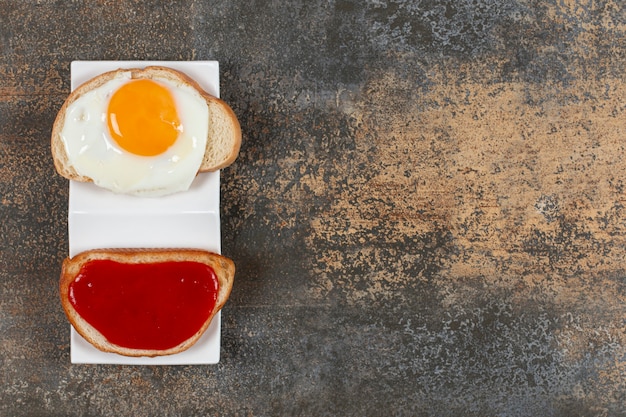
[224,269]
[224,137]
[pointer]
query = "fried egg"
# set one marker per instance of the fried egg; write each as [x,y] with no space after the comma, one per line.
[145,137]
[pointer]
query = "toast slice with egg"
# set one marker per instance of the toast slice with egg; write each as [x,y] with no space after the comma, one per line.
[77,280]
[224,132]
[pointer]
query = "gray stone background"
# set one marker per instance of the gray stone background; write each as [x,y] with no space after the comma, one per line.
[427,214]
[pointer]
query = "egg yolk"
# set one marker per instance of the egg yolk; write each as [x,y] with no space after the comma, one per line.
[142,118]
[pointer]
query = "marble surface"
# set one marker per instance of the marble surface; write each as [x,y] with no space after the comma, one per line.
[427,214]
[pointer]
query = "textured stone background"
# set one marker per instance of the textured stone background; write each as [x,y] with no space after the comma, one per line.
[427,213]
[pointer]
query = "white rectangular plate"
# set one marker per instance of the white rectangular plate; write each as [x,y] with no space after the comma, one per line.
[101,219]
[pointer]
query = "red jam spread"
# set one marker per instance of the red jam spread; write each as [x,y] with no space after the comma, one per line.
[145,306]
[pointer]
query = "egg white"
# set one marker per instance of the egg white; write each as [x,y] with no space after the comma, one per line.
[93,153]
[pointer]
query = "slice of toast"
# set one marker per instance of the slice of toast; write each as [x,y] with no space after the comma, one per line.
[223,267]
[224,136]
